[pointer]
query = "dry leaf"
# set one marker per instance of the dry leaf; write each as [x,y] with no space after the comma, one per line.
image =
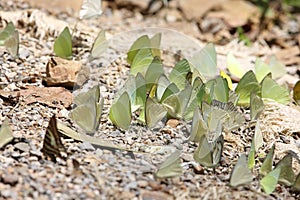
[57,97]
[65,73]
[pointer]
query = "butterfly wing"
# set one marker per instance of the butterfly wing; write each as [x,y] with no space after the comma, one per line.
[90,9]
[52,146]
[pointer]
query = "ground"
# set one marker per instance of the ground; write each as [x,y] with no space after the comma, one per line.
[187,26]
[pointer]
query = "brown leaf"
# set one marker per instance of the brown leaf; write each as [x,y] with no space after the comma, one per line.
[65,73]
[57,97]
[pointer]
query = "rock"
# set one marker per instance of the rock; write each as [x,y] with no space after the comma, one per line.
[22,146]
[10,179]
[87,146]
[66,73]
[195,9]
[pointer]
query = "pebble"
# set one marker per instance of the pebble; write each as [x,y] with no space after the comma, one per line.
[22,146]
[10,179]
[87,146]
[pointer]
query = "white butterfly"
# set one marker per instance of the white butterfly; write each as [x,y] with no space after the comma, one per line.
[90,9]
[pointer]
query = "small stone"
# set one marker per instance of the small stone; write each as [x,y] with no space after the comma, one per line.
[87,146]
[142,184]
[10,179]
[22,146]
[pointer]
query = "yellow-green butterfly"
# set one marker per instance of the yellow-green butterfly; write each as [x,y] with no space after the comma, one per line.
[88,109]
[207,153]
[164,88]
[90,9]
[266,166]
[179,73]
[120,112]
[234,66]
[63,44]
[153,72]
[52,145]
[269,182]
[176,104]
[154,112]
[170,167]
[270,89]
[246,86]
[287,175]
[100,45]
[241,174]
[9,37]
[5,133]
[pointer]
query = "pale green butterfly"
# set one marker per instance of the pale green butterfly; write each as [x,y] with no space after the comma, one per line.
[207,153]
[267,165]
[153,72]
[247,84]
[256,106]
[269,182]
[214,119]
[220,88]
[141,61]
[241,174]
[234,66]
[179,73]
[251,156]
[135,86]
[88,110]
[176,104]
[287,175]
[193,102]
[154,112]
[296,184]
[165,88]
[5,133]
[63,44]
[90,9]
[100,45]
[261,69]
[277,69]
[270,89]
[150,47]
[9,37]
[199,126]
[120,112]
[205,61]
[170,167]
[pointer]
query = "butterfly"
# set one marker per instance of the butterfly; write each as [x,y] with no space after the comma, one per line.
[120,111]
[63,44]
[52,146]
[88,109]
[240,174]
[9,37]
[5,133]
[207,153]
[90,9]
[170,167]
